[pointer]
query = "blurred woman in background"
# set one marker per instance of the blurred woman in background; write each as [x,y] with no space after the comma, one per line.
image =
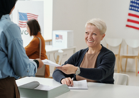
[33,48]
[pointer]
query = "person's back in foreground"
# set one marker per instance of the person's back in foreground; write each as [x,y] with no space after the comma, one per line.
[14,62]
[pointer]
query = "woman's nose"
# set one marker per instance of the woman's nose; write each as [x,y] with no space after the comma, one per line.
[89,36]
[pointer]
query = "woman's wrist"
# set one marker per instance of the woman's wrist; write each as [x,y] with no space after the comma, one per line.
[77,71]
[37,62]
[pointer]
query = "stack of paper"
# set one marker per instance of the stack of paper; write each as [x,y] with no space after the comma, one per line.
[79,85]
[37,85]
[36,90]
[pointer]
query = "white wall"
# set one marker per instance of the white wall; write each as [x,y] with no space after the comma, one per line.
[73,14]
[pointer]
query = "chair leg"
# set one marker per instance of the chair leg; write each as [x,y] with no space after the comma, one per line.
[57,59]
[136,61]
[117,63]
[125,64]
[121,64]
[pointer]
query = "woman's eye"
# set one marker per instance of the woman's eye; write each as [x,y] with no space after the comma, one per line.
[94,34]
[86,32]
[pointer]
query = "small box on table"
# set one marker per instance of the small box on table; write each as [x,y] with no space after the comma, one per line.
[62,38]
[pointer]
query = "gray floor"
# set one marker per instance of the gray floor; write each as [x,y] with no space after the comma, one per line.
[133,79]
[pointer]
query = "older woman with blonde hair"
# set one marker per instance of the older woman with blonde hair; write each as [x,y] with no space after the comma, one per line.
[94,63]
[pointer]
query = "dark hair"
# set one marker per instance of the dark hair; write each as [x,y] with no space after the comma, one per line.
[6,6]
[34,27]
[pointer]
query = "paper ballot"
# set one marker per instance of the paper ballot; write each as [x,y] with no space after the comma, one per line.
[79,85]
[48,62]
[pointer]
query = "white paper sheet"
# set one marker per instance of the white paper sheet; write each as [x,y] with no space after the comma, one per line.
[79,85]
[48,62]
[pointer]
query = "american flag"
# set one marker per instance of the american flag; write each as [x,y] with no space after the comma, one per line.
[24,17]
[58,36]
[133,15]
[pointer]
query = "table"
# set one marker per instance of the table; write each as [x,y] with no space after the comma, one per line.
[100,90]
[95,90]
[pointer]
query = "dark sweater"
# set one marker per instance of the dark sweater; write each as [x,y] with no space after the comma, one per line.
[102,73]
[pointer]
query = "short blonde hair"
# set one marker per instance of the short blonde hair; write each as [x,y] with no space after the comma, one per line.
[99,24]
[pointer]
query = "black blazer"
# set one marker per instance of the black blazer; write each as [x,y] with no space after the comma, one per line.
[102,73]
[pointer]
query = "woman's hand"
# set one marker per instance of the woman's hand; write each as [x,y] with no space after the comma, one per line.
[67,81]
[68,69]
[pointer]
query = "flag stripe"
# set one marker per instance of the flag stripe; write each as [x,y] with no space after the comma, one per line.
[133,15]
[133,21]
[22,21]
[32,16]
[133,18]
[133,24]
[132,27]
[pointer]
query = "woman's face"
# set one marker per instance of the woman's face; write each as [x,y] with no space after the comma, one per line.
[28,30]
[93,36]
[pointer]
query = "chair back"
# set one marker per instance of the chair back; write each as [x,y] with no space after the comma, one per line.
[114,42]
[133,43]
[121,79]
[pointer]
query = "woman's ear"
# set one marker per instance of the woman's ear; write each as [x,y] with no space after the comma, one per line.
[103,35]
